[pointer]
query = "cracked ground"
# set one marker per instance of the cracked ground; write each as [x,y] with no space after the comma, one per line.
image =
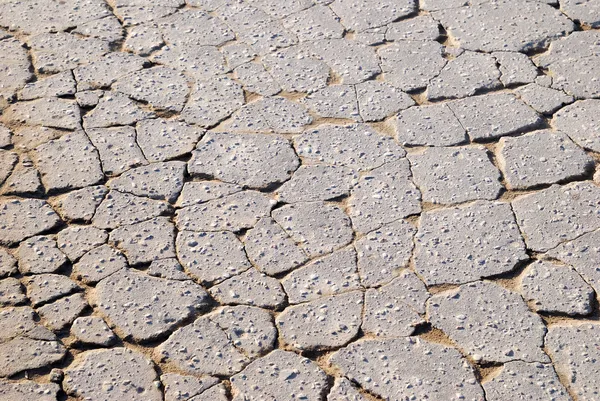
[303,200]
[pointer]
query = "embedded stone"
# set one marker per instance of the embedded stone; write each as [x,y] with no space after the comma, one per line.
[92,330]
[356,146]
[117,373]
[452,82]
[574,350]
[541,99]
[578,49]
[330,275]
[455,175]
[581,121]
[56,52]
[393,309]
[145,241]
[541,157]
[249,288]
[491,116]
[363,14]
[556,289]
[99,263]
[378,100]
[60,84]
[383,252]
[40,254]
[61,313]
[411,64]
[321,324]
[272,114]
[118,149]
[250,329]
[465,314]
[52,112]
[69,162]
[515,68]
[211,256]
[115,108]
[103,71]
[202,348]
[76,241]
[333,182]
[317,227]
[271,250]
[482,27]
[256,161]
[466,243]
[212,101]
[234,212]
[119,209]
[334,101]
[408,368]
[23,218]
[156,305]
[11,292]
[80,204]
[256,79]
[558,214]
[532,381]
[161,87]
[278,375]
[42,288]
[382,196]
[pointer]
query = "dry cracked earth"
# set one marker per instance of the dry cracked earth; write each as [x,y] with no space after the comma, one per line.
[272,200]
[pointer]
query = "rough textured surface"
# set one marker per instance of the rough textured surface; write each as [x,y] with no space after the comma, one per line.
[517,333]
[101,375]
[554,288]
[408,368]
[533,381]
[541,157]
[466,243]
[557,214]
[277,375]
[157,304]
[574,350]
[285,200]
[455,175]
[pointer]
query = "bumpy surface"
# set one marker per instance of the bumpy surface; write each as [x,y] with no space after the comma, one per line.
[285,200]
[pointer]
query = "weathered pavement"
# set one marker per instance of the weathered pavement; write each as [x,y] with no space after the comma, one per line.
[318,200]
